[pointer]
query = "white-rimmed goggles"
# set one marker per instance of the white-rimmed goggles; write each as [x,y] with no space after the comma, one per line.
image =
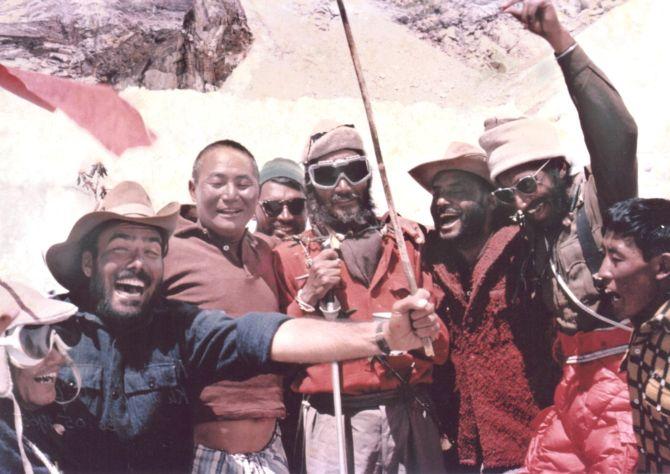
[29,345]
[326,174]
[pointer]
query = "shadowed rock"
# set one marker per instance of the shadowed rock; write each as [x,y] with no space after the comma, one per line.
[158,44]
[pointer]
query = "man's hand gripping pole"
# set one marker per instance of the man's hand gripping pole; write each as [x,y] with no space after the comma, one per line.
[400,241]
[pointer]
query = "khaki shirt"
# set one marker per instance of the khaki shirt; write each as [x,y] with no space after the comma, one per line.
[648,365]
[567,253]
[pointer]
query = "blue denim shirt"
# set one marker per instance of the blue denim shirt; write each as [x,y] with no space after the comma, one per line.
[133,411]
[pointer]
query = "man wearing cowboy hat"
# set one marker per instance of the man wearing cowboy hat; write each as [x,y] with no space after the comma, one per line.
[563,218]
[386,427]
[486,408]
[143,359]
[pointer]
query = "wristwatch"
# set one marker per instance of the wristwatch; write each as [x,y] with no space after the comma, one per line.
[380,340]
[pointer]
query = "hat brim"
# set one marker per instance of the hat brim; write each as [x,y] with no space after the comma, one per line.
[425,172]
[64,259]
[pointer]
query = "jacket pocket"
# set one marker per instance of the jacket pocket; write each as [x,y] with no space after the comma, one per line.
[152,378]
[149,391]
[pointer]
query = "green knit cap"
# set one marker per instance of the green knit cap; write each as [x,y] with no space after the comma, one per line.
[282,168]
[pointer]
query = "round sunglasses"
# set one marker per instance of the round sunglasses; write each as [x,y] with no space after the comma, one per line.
[525,185]
[295,206]
[326,174]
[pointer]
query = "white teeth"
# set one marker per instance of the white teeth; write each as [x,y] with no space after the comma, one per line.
[131,282]
[45,378]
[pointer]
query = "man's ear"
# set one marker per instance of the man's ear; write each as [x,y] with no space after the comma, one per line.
[663,267]
[87,263]
[191,189]
[564,169]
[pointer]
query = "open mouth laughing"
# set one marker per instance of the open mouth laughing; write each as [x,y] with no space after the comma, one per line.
[536,206]
[449,218]
[130,287]
[48,378]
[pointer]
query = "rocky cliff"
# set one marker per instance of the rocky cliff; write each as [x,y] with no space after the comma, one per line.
[475,32]
[157,44]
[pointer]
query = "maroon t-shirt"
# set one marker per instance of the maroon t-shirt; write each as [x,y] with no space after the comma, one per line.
[199,272]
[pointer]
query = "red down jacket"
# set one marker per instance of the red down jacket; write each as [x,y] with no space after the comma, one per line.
[590,426]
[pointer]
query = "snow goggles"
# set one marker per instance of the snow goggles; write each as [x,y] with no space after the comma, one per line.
[295,206]
[29,345]
[526,185]
[326,174]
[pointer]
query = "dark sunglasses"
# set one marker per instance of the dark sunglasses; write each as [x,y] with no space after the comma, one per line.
[326,174]
[526,185]
[295,206]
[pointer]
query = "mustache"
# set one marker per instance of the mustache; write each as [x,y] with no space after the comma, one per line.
[345,196]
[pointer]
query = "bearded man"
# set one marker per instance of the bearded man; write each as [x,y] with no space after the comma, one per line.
[141,361]
[563,217]
[350,257]
[486,407]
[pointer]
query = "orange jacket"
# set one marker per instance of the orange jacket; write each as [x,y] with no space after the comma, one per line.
[388,285]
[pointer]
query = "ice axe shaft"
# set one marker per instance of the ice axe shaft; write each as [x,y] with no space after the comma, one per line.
[400,241]
[339,418]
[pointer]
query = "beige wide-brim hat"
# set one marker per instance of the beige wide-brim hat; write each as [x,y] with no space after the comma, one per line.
[127,202]
[513,142]
[459,156]
[329,136]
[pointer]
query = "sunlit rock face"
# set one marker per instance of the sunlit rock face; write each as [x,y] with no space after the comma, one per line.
[476,32]
[157,44]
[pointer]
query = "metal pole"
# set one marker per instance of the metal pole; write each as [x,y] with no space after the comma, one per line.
[330,308]
[339,418]
[400,241]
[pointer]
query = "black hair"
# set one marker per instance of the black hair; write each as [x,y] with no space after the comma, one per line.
[227,143]
[647,221]
[286,181]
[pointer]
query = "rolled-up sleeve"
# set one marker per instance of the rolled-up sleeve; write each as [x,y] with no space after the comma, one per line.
[217,347]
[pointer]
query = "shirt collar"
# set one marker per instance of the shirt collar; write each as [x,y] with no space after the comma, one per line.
[660,319]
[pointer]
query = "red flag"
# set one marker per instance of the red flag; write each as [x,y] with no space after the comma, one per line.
[97,108]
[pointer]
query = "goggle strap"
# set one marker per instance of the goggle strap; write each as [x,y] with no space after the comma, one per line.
[77,379]
[18,427]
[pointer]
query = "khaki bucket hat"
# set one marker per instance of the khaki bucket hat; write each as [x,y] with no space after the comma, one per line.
[459,156]
[513,142]
[127,202]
